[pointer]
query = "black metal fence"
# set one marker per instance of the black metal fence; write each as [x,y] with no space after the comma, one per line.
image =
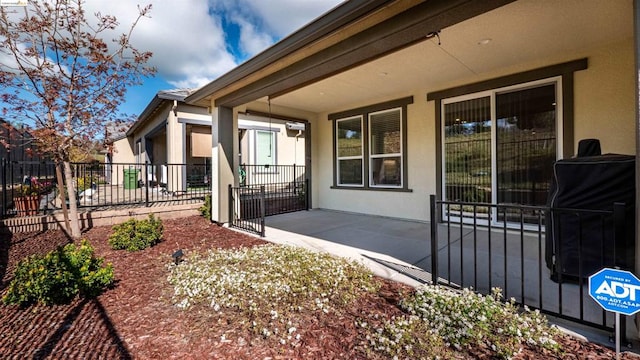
[542,257]
[247,208]
[265,191]
[101,185]
[282,175]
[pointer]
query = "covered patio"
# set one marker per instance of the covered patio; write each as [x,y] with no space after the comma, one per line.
[400,249]
[470,101]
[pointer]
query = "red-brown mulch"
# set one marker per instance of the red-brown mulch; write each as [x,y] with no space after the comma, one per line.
[136,319]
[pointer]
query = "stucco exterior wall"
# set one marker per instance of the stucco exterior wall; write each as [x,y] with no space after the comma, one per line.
[150,124]
[122,154]
[420,162]
[123,151]
[604,109]
[604,99]
[289,144]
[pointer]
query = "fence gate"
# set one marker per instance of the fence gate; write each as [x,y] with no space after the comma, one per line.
[247,208]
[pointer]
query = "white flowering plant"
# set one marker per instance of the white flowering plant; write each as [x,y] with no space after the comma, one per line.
[266,288]
[460,319]
[269,284]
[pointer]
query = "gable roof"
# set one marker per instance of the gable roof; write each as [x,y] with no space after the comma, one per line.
[156,102]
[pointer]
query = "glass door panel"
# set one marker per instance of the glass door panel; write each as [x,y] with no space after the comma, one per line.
[467,151]
[526,141]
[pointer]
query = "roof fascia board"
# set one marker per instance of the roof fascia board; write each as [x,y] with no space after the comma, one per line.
[323,26]
[403,30]
[156,103]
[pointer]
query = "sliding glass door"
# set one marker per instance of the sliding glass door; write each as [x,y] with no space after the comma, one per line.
[500,145]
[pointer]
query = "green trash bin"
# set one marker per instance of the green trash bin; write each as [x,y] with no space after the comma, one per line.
[130,178]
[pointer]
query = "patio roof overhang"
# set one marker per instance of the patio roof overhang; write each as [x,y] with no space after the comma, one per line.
[352,34]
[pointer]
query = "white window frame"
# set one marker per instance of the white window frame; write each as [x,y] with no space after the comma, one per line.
[274,147]
[360,157]
[382,156]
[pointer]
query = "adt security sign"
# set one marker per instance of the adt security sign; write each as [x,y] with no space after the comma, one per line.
[616,290]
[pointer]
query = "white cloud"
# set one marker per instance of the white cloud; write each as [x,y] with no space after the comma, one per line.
[187,38]
[283,17]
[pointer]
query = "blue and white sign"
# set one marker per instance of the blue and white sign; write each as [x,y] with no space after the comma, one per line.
[616,290]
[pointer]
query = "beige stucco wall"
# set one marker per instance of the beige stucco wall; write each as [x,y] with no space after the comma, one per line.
[605,98]
[604,108]
[123,151]
[420,162]
[122,154]
[289,146]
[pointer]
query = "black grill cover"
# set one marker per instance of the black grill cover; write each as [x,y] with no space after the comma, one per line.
[594,183]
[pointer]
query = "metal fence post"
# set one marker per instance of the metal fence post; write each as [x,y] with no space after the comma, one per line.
[621,258]
[230,207]
[146,177]
[4,187]
[434,239]
[295,179]
[262,210]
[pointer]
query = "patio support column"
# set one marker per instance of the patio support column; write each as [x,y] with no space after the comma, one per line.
[176,152]
[222,137]
[636,37]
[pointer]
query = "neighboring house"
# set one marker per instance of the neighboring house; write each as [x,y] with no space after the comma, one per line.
[265,141]
[175,139]
[170,144]
[405,99]
[19,156]
[16,144]
[272,150]
[118,149]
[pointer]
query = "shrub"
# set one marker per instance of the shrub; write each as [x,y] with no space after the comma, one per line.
[270,285]
[462,320]
[59,276]
[135,235]
[205,209]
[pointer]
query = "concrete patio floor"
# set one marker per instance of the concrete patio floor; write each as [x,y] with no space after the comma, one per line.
[400,250]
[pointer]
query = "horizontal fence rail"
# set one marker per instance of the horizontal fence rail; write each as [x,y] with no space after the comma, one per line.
[101,185]
[285,175]
[539,256]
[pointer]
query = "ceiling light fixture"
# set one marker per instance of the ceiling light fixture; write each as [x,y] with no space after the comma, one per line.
[484,41]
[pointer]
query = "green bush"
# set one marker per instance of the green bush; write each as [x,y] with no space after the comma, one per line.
[135,235]
[205,209]
[59,276]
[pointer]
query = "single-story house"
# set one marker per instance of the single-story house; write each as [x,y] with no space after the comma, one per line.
[403,99]
[170,134]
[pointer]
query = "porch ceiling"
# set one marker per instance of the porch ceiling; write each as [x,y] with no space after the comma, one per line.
[521,33]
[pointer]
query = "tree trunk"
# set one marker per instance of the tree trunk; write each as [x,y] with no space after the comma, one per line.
[63,203]
[73,205]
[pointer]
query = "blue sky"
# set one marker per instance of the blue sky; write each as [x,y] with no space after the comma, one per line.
[196,41]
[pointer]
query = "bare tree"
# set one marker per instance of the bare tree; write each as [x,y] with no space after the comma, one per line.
[60,77]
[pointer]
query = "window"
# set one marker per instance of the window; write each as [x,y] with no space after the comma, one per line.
[370,147]
[385,156]
[499,137]
[349,151]
[265,147]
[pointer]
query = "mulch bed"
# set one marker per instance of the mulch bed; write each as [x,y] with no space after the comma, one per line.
[136,320]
